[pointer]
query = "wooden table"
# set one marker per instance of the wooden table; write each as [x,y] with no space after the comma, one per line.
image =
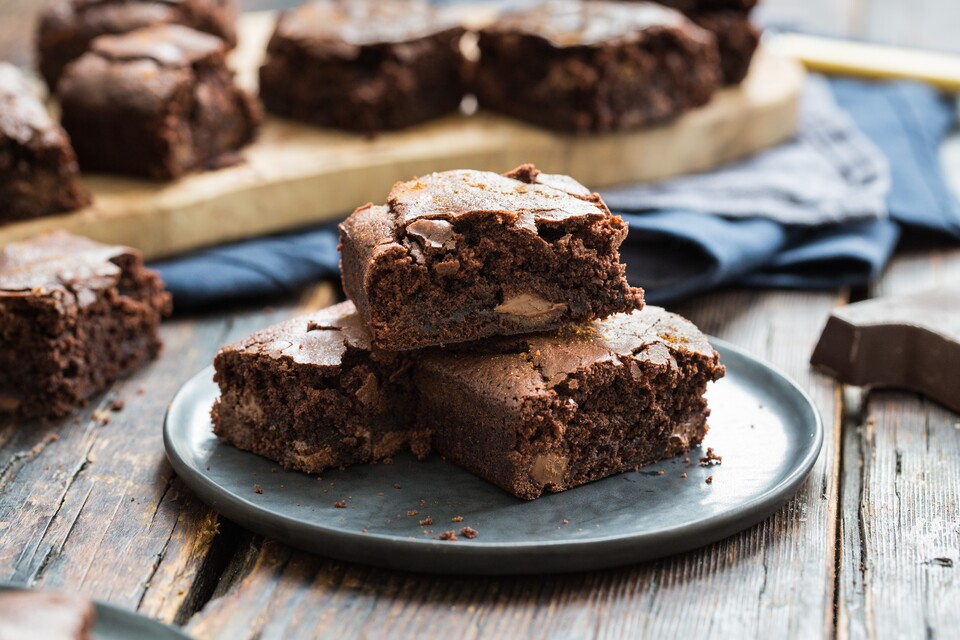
[870,547]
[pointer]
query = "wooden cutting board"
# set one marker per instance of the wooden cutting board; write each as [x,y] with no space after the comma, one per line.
[295,174]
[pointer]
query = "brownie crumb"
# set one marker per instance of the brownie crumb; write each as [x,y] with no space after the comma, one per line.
[683,475]
[565,521]
[388,461]
[340,504]
[101,416]
[659,473]
[686,460]
[257,489]
[457,519]
[363,530]
[140,391]
[412,513]
[711,458]
[469,533]
[448,535]
[117,405]
[426,522]
[396,485]
[709,480]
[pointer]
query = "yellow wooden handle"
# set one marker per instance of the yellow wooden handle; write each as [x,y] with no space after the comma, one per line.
[835,56]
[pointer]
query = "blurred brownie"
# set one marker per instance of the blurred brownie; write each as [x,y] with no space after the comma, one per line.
[698,6]
[462,255]
[67,27]
[548,412]
[311,393]
[75,315]
[158,102]
[737,41]
[363,65]
[595,66]
[38,170]
[50,615]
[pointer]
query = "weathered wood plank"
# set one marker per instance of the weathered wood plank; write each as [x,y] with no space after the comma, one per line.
[94,507]
[774,577]
[901,498]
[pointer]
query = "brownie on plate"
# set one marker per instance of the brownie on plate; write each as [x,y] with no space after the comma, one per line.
[67,27]
[462,255]
[595,66]
[363,65]
[157,102]
[548,412]
[311,393]
[75,315]
[49,615]
[38,170]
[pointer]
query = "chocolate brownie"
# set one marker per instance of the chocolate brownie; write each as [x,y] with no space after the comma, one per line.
[363,65]
[462,255]
[737,40]
[548,412]
[38,170]
[158,102]
[67,27]
[698,6]
[311,393]
[49,615]
[595,66]
[75,315]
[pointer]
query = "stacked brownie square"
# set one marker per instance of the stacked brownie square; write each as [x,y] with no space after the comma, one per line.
[490,322]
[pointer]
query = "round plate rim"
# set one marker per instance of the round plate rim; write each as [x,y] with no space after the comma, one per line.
[409,553]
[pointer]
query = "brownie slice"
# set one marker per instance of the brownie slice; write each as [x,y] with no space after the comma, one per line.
[311,393]
[38,170]
[75,315]
[49,615]
[698,6]
[737,40]
[595,66]
[548,412]
[363,65]
[158,102]
[462,255]
[67,27]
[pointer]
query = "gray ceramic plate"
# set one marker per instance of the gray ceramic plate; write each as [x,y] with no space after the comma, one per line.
[113,623]
[765,427]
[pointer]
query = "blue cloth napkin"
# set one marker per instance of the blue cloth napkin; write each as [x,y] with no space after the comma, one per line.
[780,219]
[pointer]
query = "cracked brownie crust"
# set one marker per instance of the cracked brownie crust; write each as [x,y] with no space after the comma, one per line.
[67,27]
[75,315]
[363,65]
[463,255]
[38,169]
[595,66]
[158,102]
[549,412]
[312,394]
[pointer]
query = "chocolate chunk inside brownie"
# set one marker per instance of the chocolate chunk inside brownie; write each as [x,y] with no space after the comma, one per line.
[462,255]
[363,65]
[38,169]
[75,315]
[49,615]
[595,66]
[67,27]
[312,394]
[548,412]
[158,102]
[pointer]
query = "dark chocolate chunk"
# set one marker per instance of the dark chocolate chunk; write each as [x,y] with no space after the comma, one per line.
[463,255]
[595,66]
[67,27]
[909,342]
[38,169]
[158,102]
[363,65]
[75,315]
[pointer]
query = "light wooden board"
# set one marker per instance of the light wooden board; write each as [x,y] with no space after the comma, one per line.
[296,174]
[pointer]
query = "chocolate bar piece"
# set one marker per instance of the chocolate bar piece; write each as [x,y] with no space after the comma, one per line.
[910,342]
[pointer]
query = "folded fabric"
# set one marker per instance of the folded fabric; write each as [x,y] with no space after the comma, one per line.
[822,211]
